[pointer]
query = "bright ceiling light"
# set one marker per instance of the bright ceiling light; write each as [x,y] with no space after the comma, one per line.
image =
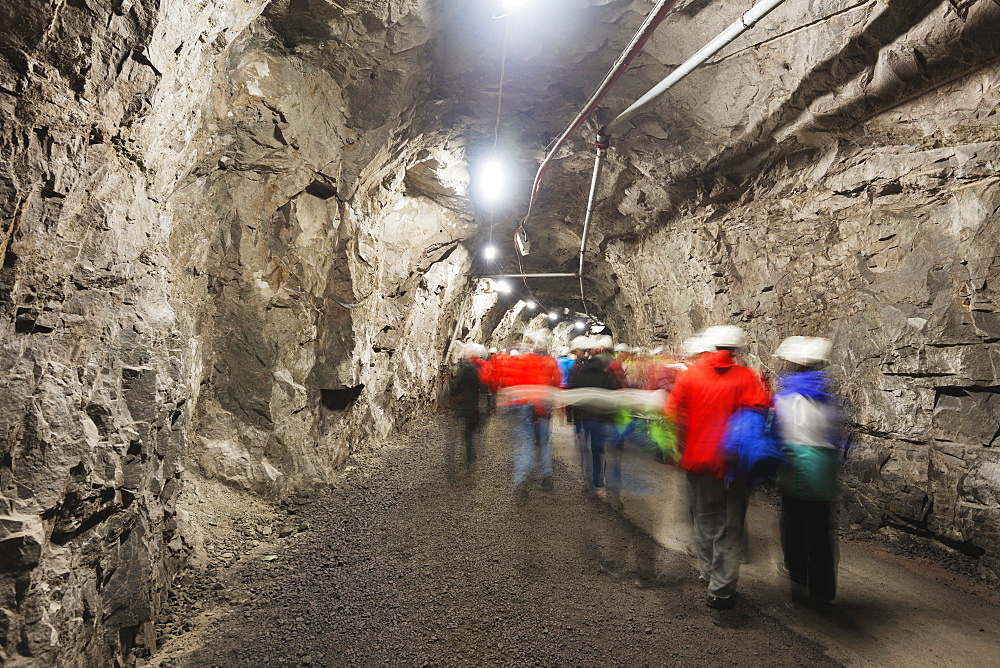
[553,316]
[490,252]
[511,4]
[503,286]
[532,305]
[580,324]
[491,180]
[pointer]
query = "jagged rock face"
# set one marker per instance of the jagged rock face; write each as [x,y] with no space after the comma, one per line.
[237,235]
[853,196]
[219,261]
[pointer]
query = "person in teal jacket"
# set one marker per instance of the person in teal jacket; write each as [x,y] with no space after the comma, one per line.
[809,425]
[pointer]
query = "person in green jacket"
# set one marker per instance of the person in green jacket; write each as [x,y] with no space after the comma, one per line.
[809,425]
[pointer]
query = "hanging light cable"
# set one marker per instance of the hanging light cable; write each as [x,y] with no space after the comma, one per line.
[652,21]
[493,169]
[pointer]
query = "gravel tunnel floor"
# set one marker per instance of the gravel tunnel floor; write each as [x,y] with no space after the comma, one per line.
[411,561]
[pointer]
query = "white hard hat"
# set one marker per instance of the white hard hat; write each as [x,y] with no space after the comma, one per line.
[471,349]
[622,348]
[579,343]
[725,336]
[696,345]
[603,342]
[804,350]
[563,351]
[492,350]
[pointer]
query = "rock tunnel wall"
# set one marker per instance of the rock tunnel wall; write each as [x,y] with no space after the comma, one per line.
[864,207]
[234,246]
[220,260]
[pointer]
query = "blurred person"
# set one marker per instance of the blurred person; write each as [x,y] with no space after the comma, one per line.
[535,367]
[703,399]
[580,347]
[628,371]
[595,422]
[637,369]
[566,362]
[465,392]
[617,364]
[664,368]
[487,372]
[662,372]
[809,424]
[694,347]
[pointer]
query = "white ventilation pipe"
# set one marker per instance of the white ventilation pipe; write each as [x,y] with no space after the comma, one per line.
[737,28]
[598,163]
[602,149]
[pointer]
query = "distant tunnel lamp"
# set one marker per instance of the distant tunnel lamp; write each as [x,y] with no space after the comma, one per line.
[580,324]
[532,305]
[492,180]
[503,286]
[553,316]
[490,252]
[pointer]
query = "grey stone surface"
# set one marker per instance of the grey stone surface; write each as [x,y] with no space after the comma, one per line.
[187,269]
[856,199]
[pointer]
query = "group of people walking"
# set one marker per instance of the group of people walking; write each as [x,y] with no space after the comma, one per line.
[730,427]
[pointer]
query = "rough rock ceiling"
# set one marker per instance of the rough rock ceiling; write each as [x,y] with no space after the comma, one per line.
[808,75]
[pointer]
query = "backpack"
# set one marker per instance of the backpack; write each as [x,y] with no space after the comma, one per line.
[750,446]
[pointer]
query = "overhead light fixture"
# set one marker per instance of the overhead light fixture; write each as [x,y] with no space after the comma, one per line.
[553,315]
[581,325]
[490,252]
[491,179]
[521,241]
[532,305]
[503,286]
[511,4]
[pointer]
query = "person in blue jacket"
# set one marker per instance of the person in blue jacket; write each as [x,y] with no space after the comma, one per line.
[809,424]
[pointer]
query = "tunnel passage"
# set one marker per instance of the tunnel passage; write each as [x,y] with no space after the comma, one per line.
[211,214]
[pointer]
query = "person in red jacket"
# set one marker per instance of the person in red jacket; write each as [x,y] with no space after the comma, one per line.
[703,399]
[532,410]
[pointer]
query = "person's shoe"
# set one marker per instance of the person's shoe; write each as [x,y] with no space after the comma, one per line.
[521,494]
[820,605]
[719,602]
[547,484]
[800,593]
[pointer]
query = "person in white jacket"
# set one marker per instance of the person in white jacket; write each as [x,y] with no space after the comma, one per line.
[809,424]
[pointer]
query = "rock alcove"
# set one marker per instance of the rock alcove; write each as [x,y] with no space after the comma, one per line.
[237,237]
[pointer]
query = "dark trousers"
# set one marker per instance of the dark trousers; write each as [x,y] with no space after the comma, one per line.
[594,434]
[718,512]
[471,425]
[808,541]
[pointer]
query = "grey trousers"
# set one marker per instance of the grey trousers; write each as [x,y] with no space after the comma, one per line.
[718,511]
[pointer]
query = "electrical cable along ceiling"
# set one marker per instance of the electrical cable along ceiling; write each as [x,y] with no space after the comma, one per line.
[741,89]
[492,171]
